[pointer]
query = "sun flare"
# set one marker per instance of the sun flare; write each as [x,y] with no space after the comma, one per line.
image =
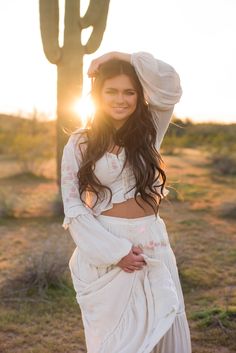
[84,108]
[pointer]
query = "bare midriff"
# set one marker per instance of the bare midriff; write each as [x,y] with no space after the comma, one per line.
[130,209]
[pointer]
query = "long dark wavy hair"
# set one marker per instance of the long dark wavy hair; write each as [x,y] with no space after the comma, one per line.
[137,136]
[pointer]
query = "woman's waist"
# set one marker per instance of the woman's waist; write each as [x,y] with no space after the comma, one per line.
[130,209]
[148,232]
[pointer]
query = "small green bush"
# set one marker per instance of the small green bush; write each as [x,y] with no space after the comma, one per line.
[215,317]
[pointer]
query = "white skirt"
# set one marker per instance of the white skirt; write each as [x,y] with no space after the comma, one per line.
[139,312]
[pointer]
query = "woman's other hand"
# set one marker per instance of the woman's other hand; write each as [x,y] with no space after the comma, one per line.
[133,261]
[95,64]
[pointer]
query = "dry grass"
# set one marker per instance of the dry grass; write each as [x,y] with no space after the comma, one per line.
[204,244]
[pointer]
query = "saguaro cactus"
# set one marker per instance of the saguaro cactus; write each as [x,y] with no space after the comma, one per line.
[69,57]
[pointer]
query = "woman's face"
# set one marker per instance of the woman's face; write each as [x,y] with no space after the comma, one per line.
[119,99]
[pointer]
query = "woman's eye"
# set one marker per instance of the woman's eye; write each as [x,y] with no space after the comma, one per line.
[127,93]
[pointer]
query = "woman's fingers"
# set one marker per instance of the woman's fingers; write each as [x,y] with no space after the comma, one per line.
[126,269]
[139,264]
[132,262]
[94,66]
[138,258]
[93,69]
[137,250]
[132,268]
[136,268]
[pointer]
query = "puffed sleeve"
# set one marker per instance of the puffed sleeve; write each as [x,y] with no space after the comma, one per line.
[99,246]
[72,204]
[162,89]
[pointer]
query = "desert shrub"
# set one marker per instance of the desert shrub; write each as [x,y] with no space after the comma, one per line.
[185,191]
[30,150]
[224,164]
[170,150]
[2,142]
[173,194]
[43,270]
[28,140]
[6,206]
[228,210]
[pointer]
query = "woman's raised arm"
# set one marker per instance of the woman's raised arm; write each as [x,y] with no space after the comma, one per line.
[162,89]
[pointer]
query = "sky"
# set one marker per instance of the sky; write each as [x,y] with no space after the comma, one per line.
[197,37]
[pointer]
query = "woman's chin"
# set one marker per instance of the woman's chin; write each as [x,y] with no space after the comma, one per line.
[118,122]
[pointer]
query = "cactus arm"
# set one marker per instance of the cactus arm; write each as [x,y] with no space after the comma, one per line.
[72,31]
[95,10]
[49,26]
[98,31]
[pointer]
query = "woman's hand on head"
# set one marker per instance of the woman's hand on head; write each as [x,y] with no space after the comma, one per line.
[134,261]
[95,64]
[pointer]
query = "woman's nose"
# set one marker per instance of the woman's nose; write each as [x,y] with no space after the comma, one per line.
[120,98]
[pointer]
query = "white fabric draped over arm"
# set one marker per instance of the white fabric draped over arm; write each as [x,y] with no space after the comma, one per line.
[162,89]
[100,246]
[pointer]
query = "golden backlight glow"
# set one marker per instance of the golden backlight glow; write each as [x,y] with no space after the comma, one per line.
[84,107]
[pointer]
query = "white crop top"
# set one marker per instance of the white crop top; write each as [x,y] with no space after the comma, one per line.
[108,170]
[162,91]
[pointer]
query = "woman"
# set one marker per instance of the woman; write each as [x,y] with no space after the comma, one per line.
[123,268]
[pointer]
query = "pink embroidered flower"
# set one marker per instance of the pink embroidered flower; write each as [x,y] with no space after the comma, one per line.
[67,178]
[150,245]
[114,165]
[141,229]
[153,244]
[73,195]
